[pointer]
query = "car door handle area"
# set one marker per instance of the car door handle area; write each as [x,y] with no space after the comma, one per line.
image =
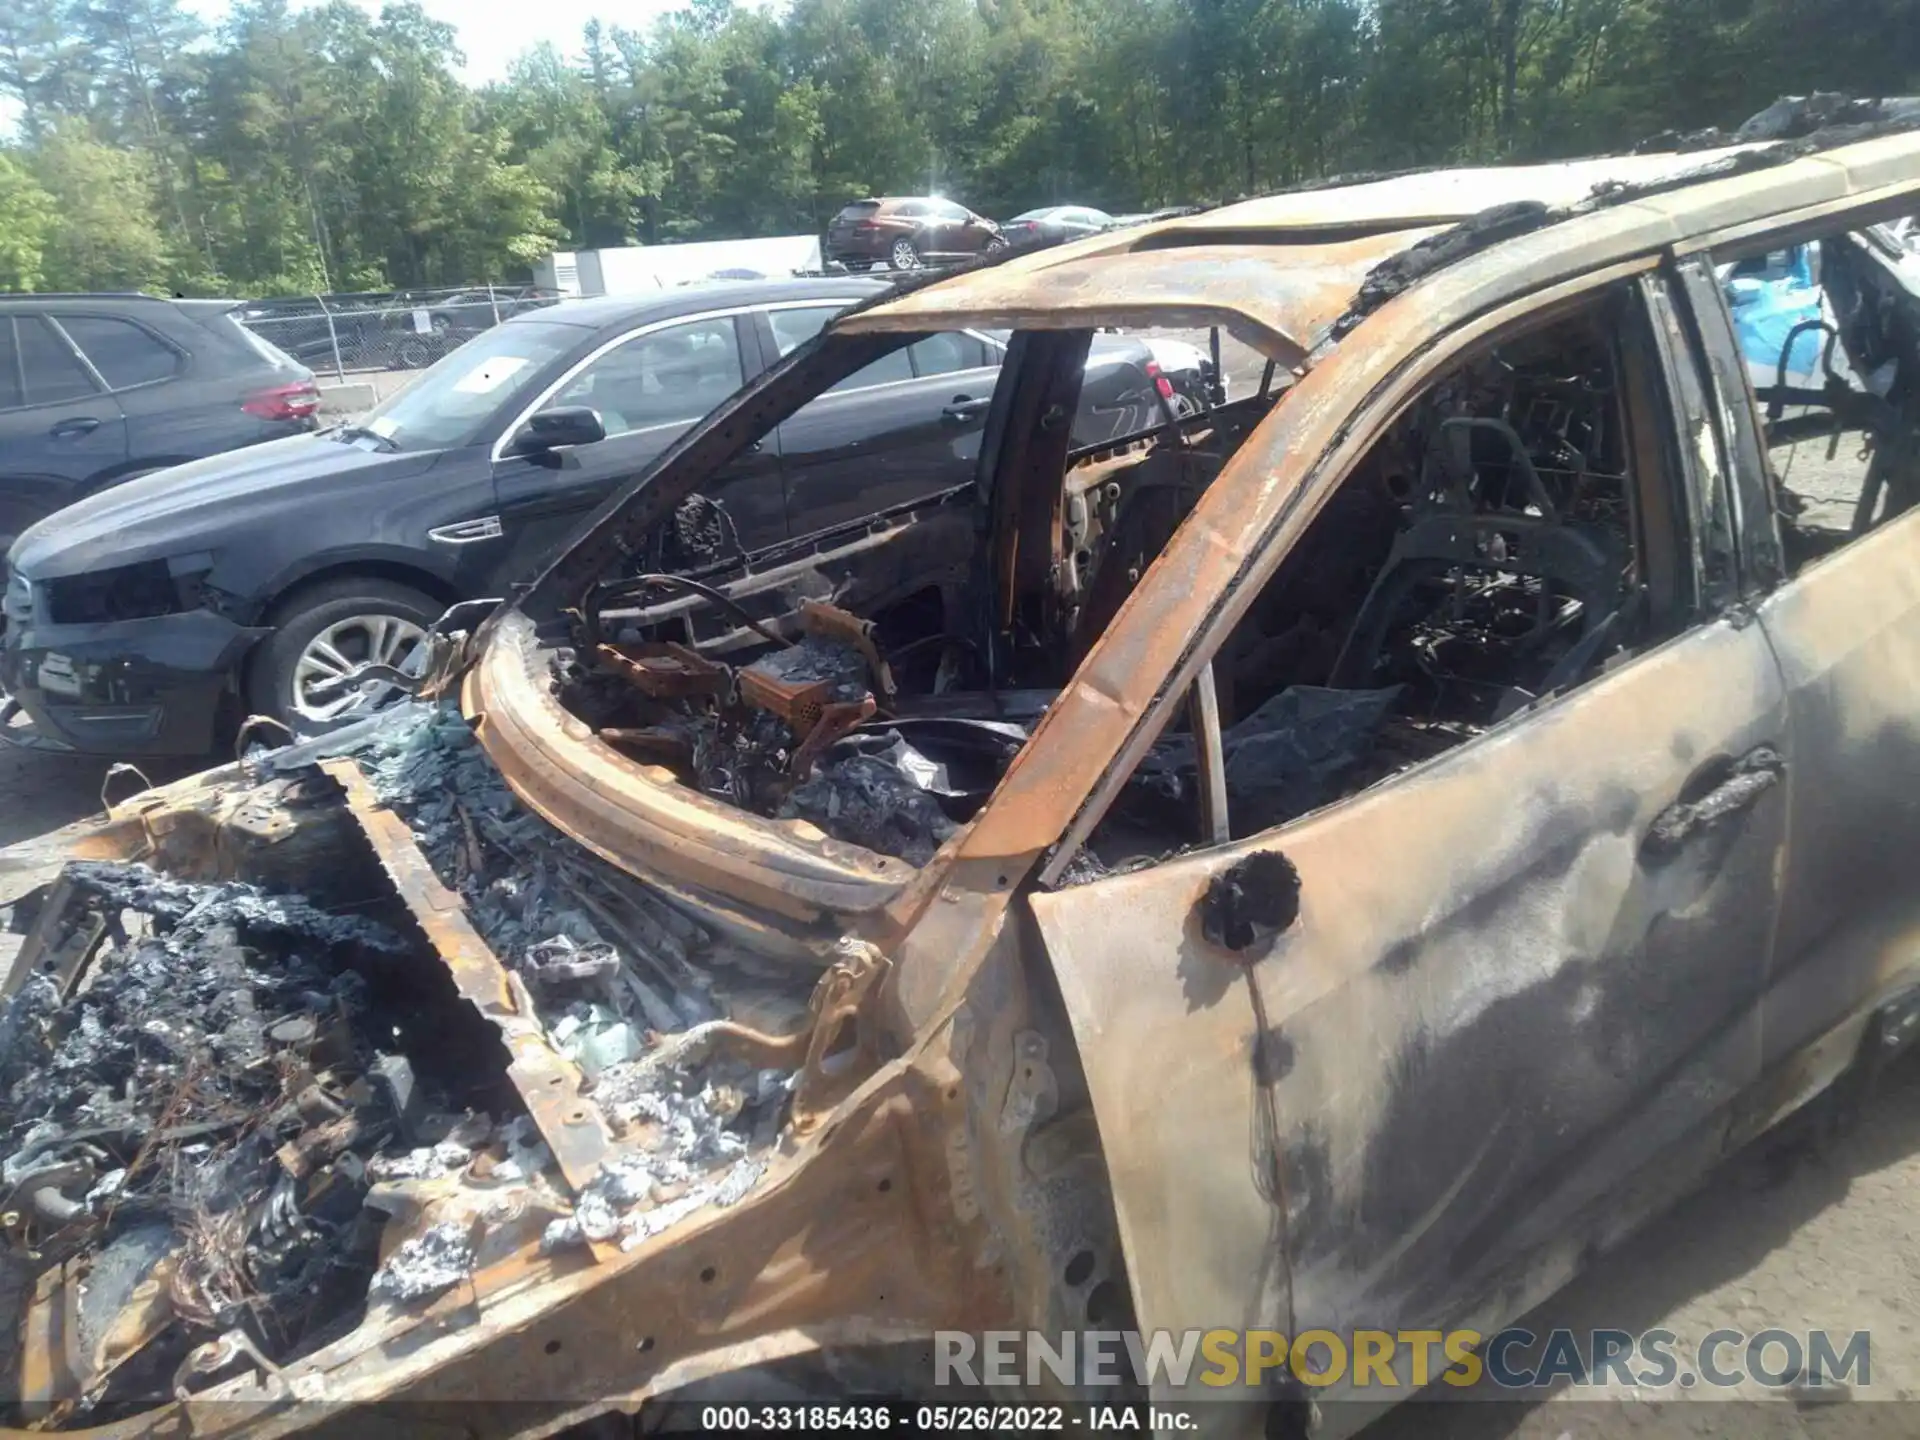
[963,409]
[1727,789]
[74,425]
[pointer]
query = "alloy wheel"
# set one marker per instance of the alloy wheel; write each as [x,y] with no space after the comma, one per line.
[341,648]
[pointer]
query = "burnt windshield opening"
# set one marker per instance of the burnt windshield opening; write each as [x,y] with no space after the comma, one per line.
[959,530]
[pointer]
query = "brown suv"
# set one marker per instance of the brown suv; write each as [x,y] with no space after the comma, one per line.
[907,231]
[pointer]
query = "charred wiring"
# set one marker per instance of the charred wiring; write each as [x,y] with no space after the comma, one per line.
[198,1086]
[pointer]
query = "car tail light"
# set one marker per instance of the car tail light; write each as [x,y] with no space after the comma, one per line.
[866,225]
[1160,382]
[297,401]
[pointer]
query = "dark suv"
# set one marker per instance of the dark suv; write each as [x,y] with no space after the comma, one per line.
[96,389]
[906,231]
[147,620]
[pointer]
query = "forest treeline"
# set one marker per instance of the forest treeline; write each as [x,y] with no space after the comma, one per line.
[321,148]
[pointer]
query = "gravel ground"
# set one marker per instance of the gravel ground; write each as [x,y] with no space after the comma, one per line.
[1794,1232]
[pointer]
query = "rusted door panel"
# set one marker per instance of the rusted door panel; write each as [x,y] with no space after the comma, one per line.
[1847,632]
[1497,1001]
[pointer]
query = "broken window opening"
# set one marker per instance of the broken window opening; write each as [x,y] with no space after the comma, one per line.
[1488,552]
[1829,328]
[876,678]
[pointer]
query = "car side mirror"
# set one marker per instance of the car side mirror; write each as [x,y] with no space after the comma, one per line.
[561,425]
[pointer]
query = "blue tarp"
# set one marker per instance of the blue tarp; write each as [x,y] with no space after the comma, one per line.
[1769,296]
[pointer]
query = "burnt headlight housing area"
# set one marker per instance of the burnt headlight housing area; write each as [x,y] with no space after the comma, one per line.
[128,592]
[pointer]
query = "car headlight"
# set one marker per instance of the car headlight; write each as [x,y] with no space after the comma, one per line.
[127,592]
[19,601]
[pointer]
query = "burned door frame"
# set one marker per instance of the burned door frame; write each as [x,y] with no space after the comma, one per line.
[1558,930]
[1844,629]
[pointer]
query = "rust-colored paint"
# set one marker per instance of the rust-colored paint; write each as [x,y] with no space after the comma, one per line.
[1278,298]
[779,875]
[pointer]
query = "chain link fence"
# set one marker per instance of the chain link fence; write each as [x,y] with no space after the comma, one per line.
[344,334]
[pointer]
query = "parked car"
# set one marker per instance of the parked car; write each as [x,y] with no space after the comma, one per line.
[341,332]
[419,330]
[1148,217]
[98,389]
[1055,222]
[1329,869]
[242,583]
[907,231]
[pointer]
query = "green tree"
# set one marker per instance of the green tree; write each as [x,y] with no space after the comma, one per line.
[104,235]
[26,220]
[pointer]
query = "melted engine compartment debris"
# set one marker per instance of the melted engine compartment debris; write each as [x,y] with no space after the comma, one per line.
[630,988]
[232,1121]
[199,1089]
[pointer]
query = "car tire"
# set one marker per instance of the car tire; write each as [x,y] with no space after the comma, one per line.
[380,612]
[902,255]
[995,244]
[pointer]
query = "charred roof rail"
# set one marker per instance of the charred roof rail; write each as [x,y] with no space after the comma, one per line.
[1800,126]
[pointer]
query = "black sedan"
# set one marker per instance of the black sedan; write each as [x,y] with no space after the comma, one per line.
[150,619]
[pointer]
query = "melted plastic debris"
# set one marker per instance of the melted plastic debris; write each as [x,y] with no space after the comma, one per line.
[814,660]
[1282,760]
[425,1162]
[437,1259]
[527,1153]
[191,909]
[201,1088]
[610,963]
[693,1138]
[575,928]
[175,1025]
[870,801]
[594,1038]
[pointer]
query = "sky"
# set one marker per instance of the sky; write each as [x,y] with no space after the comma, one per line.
[492,32]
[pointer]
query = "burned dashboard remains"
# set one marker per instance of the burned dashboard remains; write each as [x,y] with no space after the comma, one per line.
[875,682]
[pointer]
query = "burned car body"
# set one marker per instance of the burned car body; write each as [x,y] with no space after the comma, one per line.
[1338,860]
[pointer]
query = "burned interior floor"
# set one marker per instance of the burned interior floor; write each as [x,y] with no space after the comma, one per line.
[234,1122]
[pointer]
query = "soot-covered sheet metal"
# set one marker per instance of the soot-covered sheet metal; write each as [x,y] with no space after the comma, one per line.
[251,1135]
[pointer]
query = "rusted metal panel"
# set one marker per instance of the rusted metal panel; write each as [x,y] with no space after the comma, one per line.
[1492,1006]
[549,1083]
[643,819]
[1277,298]
[1442,196]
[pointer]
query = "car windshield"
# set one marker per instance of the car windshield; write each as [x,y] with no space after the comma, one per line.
[450,404]
[1045,214]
